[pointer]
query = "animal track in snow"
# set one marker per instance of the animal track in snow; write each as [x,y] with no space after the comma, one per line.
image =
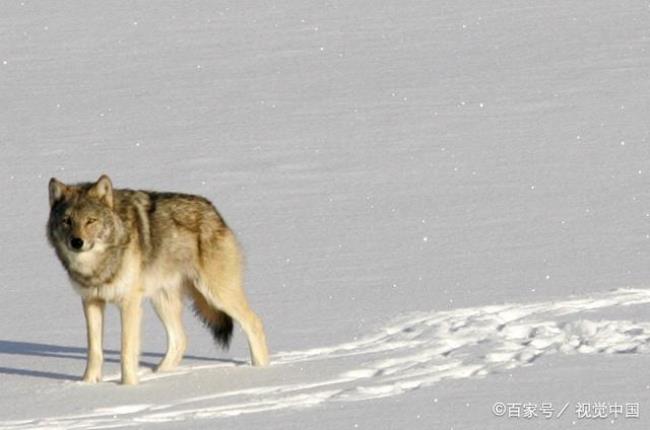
[414,351]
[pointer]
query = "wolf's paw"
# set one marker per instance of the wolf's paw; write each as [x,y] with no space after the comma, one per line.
[92,377]
[129,380]
[262,362]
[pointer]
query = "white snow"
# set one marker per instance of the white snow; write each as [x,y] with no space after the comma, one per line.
[411,353]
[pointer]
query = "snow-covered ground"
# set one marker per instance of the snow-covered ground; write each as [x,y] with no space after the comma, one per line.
[445,206]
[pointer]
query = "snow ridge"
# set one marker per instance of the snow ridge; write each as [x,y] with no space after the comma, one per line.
[412,352]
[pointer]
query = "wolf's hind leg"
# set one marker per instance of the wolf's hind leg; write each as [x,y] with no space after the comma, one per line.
[227,295]
[237,307]
[220,282]
[168,304]
[94,313]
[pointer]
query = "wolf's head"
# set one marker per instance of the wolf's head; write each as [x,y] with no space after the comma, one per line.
[82,216]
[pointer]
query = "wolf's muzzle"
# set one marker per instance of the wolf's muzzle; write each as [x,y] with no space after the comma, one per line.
[76,243]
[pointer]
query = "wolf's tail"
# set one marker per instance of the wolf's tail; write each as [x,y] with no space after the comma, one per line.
[218,322]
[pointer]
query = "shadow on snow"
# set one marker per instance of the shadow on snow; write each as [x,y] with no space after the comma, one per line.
[11,347]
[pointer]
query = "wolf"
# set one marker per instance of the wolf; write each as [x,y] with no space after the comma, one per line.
[120,246]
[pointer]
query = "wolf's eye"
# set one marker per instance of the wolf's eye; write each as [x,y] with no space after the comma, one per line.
[91,221]
[67,221]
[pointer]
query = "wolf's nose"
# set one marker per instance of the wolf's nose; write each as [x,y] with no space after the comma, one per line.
[76,243]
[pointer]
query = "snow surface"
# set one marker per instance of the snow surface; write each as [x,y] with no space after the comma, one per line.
[444,205]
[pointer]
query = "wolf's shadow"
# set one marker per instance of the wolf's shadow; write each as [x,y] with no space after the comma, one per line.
[11,347]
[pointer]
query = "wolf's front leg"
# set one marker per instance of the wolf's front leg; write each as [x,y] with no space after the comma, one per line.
[131,314]
[94,313]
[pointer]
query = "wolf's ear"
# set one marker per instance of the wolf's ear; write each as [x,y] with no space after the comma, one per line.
[58,191]
[103,190]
